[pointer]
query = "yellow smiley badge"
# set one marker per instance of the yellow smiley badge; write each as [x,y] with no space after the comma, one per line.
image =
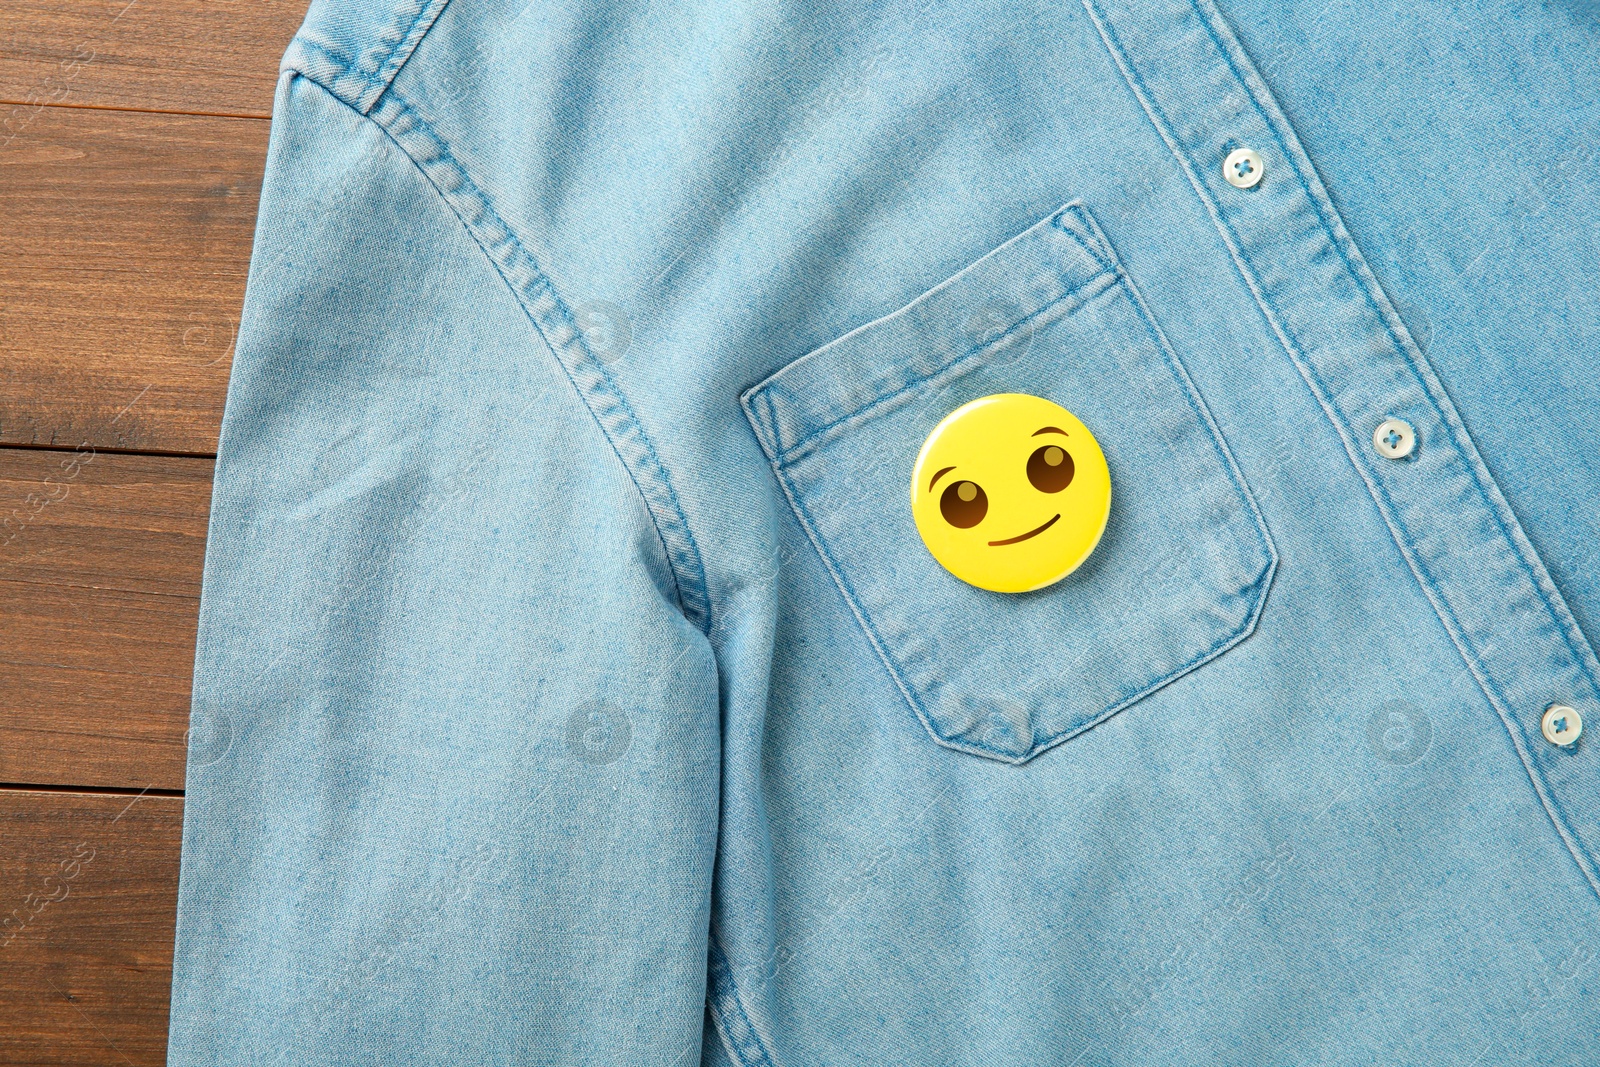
[1011,492]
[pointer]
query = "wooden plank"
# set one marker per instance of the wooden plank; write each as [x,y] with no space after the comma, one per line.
[100,560]
[199,56]
[88,896]
[124,244]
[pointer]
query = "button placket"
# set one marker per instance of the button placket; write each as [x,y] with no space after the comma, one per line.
[1448,518]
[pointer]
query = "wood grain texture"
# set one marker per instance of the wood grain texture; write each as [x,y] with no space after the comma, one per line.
[100,561]
[88,895]
[124,245]
[198,56]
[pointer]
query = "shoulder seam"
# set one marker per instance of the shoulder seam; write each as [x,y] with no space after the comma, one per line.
[553,321]
[360,82]
[427,14]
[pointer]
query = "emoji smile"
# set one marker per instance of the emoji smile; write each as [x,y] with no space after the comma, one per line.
[1035,532]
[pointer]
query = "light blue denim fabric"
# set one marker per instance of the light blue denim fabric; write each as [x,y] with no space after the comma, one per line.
[573,687]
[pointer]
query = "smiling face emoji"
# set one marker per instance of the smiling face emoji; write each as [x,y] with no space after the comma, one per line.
[1011,493]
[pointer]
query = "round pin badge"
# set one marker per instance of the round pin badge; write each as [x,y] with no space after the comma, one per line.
[1011,493]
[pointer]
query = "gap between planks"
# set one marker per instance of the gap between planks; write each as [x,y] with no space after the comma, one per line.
[6,102]
[91,790]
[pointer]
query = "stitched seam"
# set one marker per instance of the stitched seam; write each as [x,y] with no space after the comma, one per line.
[703,607]
[614,393]
[341,68]
[1099,249]
[1262,580]
[372,67]
[1100,284]
[1414,360]
[1192,393]
[427,14]
[1424,578]
[1104,260]
[770,403]
[342,62]
[721,1028]
[719,1002]
[855,609]
[1533,570]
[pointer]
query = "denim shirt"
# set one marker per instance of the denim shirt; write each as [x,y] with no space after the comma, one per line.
[572,684]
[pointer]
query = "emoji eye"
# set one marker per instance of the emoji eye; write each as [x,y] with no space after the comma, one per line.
[1050,469]
[964,504]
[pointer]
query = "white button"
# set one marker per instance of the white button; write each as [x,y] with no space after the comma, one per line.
[1561,725]
[1394,438]
[1243,168]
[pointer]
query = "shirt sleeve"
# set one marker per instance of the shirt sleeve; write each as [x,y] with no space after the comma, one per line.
[456,800]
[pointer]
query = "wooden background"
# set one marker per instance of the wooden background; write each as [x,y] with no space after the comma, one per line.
[132,138]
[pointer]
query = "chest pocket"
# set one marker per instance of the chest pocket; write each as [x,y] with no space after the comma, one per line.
[1180,574]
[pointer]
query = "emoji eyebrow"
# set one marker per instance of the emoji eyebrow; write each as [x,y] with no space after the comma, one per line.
[941,474]
[1050,429]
